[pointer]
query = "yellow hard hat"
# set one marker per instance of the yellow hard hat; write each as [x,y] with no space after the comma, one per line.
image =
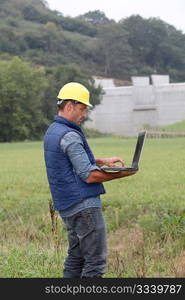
[74,91]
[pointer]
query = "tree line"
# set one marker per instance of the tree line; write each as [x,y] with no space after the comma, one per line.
[40,50]
[99,45]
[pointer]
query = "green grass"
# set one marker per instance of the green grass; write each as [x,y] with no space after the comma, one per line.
[144,213]
[179,126]
[175,127]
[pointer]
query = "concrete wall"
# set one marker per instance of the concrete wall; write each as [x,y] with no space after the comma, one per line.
[125,110]
[170,101]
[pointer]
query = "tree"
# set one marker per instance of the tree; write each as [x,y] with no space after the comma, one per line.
[115,51]
[156,45]
[9,40]
[77,25]
[53,37]
[21,90]
[101,46]
[144,38]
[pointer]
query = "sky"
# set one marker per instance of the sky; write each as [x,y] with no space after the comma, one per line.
[170,11]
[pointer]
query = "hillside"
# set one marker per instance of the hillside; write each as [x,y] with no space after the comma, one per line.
[98,45]
[30,30]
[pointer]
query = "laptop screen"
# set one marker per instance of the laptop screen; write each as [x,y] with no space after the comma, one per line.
[138,149]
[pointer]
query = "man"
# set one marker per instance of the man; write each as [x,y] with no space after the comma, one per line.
[75,180]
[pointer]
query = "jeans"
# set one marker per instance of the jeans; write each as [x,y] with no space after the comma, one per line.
[87,250]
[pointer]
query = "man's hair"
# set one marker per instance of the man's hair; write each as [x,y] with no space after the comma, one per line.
[61,104]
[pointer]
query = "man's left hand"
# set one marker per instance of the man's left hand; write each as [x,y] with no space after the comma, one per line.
[110,161]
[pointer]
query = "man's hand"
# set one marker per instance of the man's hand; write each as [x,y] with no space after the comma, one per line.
[109,161]
[127,173]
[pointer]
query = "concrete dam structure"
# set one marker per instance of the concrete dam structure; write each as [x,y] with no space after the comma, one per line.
[150,101]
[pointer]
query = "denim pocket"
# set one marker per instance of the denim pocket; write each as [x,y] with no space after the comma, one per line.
[84,222]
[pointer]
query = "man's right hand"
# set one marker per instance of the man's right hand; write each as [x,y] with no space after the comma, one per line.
[127,173]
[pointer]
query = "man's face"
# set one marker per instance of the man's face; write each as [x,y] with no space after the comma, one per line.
[78,113]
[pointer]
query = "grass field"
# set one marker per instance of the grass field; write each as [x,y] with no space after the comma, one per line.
[177,127]
[144,213]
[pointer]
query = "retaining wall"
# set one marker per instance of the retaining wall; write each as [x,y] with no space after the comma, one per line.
[125,110]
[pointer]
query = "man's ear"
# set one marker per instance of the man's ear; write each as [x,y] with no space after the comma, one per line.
[69,106]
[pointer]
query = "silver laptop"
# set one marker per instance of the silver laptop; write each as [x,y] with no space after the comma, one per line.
[136,157]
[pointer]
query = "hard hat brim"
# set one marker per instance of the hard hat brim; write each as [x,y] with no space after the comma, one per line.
[88,104]
[83,102]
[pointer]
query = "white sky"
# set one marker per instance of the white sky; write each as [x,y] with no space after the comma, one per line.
[170,11]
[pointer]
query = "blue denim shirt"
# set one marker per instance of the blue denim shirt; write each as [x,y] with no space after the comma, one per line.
[72,145]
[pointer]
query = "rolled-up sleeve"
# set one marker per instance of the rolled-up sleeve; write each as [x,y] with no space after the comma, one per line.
[72,145]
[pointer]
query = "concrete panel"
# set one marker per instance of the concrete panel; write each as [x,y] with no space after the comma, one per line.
[125,110]
[140,80]
[160,79]
[104,82]
[143,95]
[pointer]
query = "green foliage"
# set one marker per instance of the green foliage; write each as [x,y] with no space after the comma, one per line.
[116,54]
[173,224]
[77,25]
[32,14]
[73,49]
[47,38]
[157,45]
[28,97]
[132,46]
[8,41]
[21,91]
